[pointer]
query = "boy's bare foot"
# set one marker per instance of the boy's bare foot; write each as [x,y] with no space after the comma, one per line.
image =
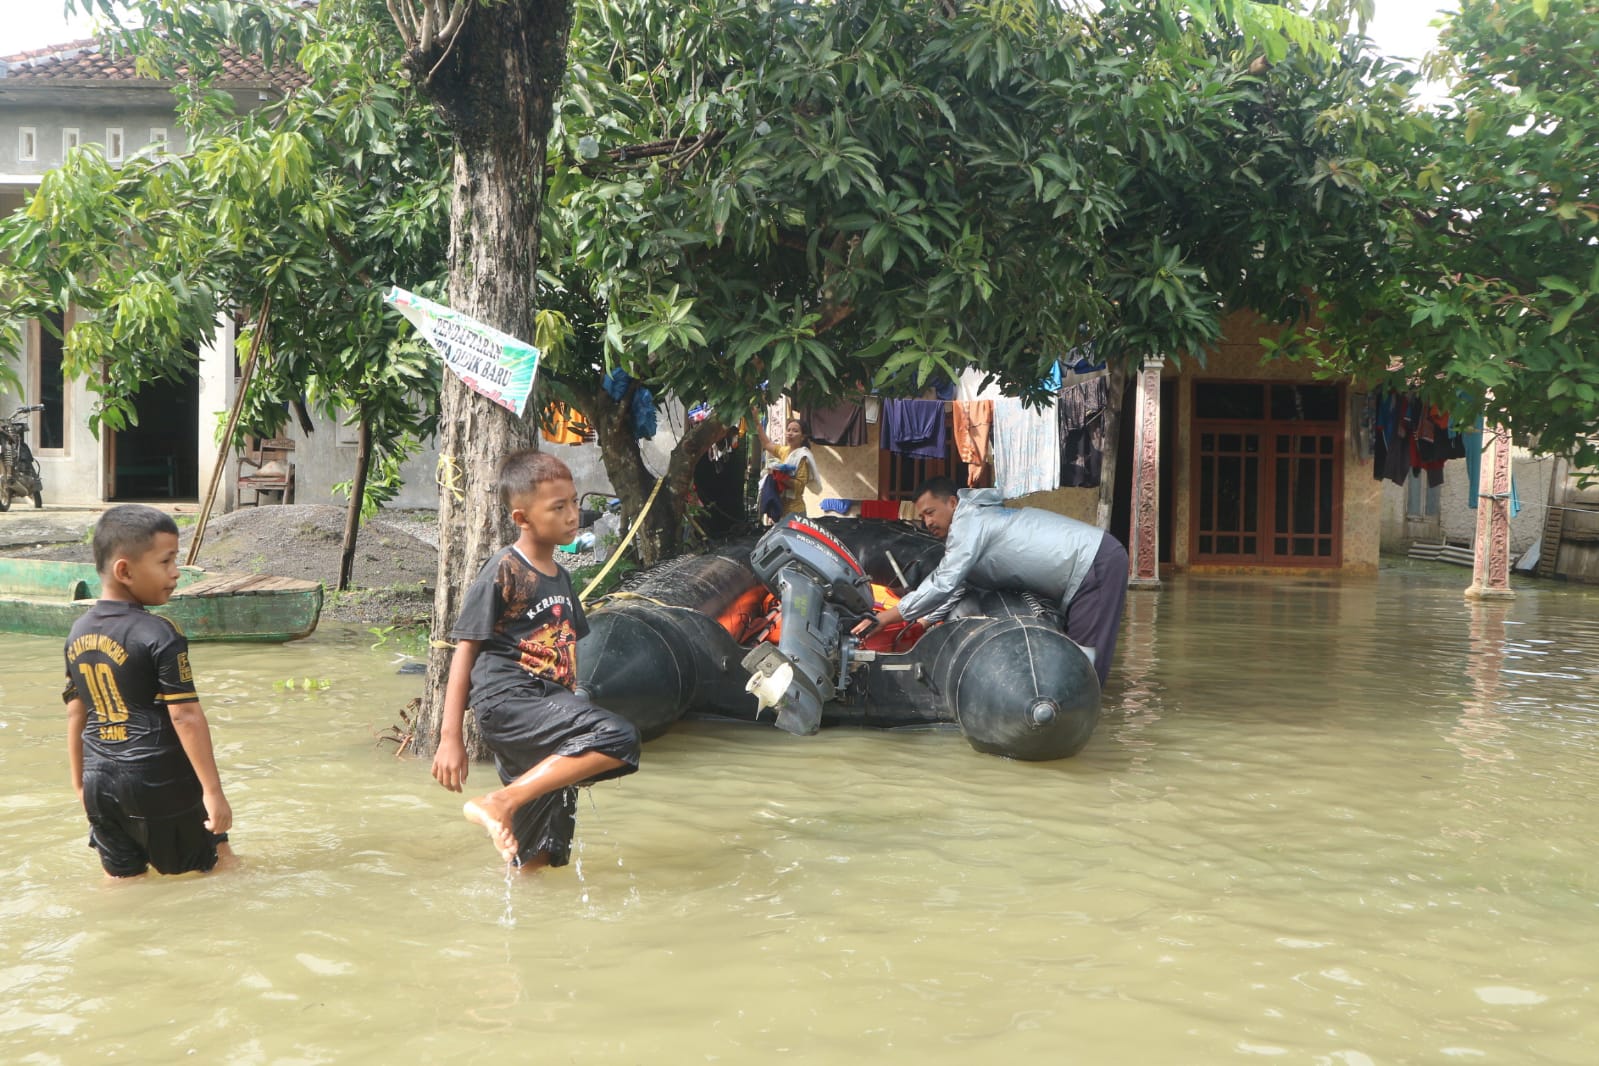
[482,811]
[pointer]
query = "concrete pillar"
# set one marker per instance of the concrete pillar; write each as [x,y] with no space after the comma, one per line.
[1490,572]
[1143,551]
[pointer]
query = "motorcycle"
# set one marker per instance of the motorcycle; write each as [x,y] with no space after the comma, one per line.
[19,470]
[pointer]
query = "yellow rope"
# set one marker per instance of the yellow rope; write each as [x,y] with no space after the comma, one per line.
[620,548]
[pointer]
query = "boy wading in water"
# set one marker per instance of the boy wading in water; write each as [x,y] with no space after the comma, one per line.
[515,663]
[138,743]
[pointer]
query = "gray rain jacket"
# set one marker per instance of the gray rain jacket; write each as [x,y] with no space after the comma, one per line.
[998,547]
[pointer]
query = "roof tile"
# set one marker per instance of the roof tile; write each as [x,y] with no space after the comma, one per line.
[89,61]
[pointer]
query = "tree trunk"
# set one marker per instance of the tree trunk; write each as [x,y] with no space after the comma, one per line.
[1116,388]
[495,86]
[661,535]
[352,513]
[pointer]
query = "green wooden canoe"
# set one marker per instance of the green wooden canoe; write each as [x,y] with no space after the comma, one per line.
[44,598]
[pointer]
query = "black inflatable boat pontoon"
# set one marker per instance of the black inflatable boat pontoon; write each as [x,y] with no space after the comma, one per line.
[734,632]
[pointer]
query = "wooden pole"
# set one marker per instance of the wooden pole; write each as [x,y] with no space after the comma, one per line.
[352,514]
[224,453]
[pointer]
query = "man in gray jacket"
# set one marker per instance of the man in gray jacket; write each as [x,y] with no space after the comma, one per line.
[1076,567]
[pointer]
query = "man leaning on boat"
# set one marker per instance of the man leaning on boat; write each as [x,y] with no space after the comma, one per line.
[1079,569]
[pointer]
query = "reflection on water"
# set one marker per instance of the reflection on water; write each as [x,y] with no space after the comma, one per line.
[1332,822]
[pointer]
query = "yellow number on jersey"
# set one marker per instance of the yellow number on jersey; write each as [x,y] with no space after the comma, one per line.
[103,692]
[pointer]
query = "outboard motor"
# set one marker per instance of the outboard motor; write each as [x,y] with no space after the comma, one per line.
[815,579]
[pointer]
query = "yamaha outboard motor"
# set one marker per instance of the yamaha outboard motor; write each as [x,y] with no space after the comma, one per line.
[815,579]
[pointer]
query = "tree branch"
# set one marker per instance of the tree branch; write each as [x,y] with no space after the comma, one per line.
[424,36]
[404,21]
[450,34]
[456,19]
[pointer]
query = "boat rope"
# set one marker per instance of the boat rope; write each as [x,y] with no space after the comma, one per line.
[620,548]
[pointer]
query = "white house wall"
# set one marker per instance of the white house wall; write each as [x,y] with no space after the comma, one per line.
[325,458]
[216,394]
[50,124]
[1456,521]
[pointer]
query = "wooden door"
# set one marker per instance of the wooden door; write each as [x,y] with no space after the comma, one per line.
[1268,474]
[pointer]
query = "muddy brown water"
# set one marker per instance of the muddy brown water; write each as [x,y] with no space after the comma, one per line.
[1321,822]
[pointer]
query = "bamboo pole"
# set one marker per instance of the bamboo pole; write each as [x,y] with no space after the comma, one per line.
[225,452]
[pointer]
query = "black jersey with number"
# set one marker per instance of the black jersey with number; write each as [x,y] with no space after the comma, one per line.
[529,624]
[129,666]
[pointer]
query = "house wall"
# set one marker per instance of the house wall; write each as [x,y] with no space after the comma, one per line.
[74,473]
[327,457]
[1578,558]
[92,121]
[1456,522]
[852,474]
[844,473]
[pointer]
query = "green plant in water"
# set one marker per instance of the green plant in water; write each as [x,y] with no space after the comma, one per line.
[409,639]
[307,684]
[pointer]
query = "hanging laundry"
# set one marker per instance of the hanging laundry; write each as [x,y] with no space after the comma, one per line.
[914,428]
[1391,441]
[1474,440]
[843,425]
[1083,359]
[873,406]
[943,388]
[560,424]
[1082,407]
[974,421]
[1434,445]
[833,506]
[971,387]
[777,415]
[880,509]
[1408,436]
[1026,448]
[643,404]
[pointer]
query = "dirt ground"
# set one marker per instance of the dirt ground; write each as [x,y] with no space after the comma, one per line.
[396,561]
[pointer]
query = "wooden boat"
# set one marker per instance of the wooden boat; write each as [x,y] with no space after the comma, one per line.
[44,598]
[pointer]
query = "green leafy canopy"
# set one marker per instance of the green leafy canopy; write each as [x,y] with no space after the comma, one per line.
[314,203]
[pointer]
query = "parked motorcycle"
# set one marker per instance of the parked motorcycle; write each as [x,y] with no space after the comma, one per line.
[19,470]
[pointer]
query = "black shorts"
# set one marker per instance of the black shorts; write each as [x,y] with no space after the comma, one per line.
[139,819]
[532,722]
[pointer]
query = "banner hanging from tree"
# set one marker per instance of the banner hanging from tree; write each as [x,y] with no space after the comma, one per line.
[489,362]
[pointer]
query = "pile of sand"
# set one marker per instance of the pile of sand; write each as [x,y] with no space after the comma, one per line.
[304,540]
[392,581]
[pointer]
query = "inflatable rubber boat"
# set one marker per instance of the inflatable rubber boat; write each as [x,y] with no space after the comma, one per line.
[761,632]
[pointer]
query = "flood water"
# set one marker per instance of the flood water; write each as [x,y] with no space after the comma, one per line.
[1322,821]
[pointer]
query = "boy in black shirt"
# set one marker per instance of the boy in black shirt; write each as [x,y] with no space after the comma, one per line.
[515,662]
[142,761]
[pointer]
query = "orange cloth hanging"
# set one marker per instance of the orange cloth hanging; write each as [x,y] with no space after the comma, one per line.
[974,420]
[564,425]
